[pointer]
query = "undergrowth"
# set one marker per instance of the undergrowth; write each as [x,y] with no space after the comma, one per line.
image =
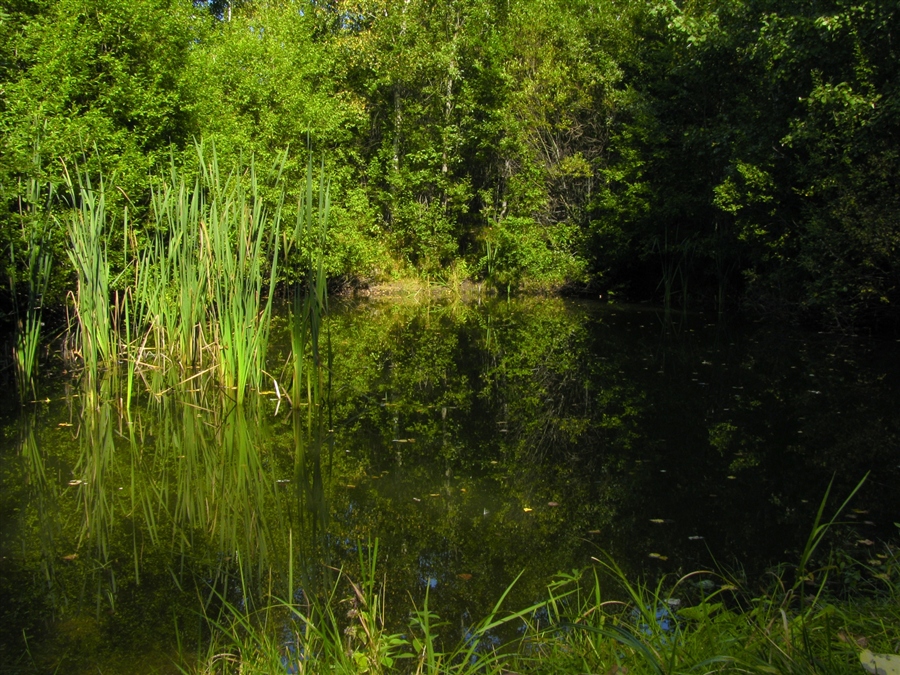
[592,621]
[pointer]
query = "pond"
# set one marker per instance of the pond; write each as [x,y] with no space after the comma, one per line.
[475,443]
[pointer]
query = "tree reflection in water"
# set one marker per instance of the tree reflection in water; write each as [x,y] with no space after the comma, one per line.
[473,441]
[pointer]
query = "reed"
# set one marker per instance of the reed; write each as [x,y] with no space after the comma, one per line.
[199,293]
[88,255]
[35,198]
[209,278]
[28,328]
[242,308]
[310,297]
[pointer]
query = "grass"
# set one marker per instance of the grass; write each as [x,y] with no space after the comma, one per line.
[597,620]
[198,294]
[88,255]
[310,296]
[28,327]
[594,621]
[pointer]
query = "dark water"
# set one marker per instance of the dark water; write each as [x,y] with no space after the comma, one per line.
[473,441]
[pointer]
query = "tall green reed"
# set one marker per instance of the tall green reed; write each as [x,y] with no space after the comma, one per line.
[35,197]
[310,296]
[88,255]
[28,327]
[198,293]
[212,270]
[235,246]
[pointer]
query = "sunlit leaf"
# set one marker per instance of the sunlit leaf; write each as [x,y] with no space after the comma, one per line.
[880,664]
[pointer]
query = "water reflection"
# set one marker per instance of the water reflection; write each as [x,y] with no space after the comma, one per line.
[471,441]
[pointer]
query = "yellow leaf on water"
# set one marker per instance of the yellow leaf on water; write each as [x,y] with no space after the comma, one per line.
[527,510]
[880,664]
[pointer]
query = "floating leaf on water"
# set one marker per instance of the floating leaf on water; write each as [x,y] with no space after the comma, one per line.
[494,461]
[657,556]
[465,576]
[527,509]
[416,499]
[351,486]
[731,477]
[865,542]
[880,664]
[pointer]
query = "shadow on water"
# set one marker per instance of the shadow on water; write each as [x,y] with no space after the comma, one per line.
[473,441]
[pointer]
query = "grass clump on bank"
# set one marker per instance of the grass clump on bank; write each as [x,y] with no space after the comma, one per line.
[196,294]
[593,621]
